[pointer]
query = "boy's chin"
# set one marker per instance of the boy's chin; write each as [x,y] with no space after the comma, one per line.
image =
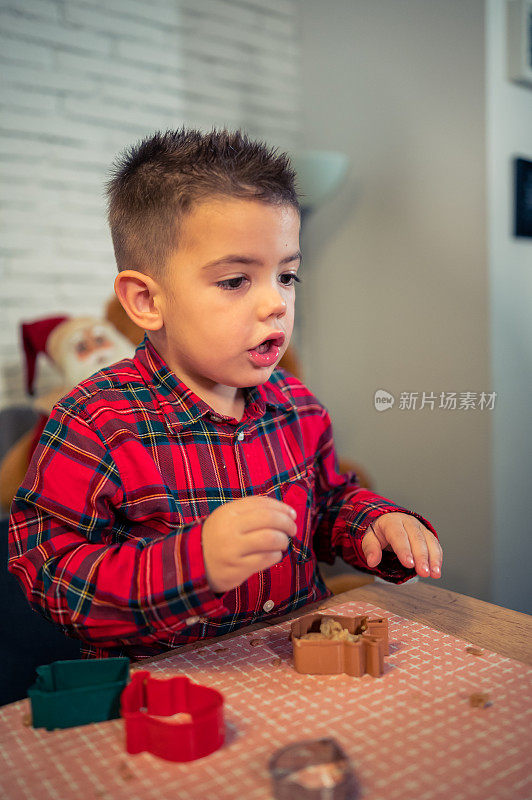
[263,373]
[257,376]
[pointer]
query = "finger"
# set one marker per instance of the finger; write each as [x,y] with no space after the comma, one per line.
[418,544]
[371,548]
[264,541]
[268,504]
[285,508]
[390,529]
[435,553]
[261,561]
[268,517]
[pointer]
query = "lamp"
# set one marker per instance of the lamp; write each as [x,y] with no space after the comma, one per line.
[319,173]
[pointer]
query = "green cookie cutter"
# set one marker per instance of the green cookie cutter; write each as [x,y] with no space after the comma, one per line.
[70,693]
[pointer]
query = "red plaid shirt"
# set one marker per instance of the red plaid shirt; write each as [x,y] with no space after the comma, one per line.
[105,531]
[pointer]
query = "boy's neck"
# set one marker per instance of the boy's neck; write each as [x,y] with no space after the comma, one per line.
[229,401]
[236,409]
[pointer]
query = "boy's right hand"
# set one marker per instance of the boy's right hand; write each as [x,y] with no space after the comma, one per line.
[245,536]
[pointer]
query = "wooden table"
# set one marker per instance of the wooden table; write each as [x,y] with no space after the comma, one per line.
[499,629]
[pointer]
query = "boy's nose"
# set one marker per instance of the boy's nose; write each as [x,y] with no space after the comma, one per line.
[271,302]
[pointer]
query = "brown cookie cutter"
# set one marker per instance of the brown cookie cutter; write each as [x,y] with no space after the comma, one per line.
[330,657]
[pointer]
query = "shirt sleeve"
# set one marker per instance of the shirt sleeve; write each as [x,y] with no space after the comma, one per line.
[345,511]
[83,564]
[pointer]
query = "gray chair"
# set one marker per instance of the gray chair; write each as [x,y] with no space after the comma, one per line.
[27,638]
[15,421]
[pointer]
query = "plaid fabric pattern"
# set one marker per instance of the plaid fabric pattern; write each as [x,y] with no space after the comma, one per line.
[105,531]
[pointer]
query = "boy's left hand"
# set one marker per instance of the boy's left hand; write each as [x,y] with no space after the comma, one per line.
[414,545]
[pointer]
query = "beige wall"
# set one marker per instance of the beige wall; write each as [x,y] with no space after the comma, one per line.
[395,264]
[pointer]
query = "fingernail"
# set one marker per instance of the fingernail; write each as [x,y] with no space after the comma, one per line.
[436,569]
[410,561]
[293,512]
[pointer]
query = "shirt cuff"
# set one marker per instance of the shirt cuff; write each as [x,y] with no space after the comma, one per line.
[185,567]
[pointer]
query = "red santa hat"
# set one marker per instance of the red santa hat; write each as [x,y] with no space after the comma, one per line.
[35,337]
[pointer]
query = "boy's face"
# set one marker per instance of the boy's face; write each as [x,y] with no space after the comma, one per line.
[214,316]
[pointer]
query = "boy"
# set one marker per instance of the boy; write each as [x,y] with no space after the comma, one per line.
[188,491]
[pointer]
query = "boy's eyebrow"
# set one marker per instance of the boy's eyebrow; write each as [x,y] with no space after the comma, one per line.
[236,259]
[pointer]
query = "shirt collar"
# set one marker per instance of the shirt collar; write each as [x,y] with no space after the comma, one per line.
[182,406]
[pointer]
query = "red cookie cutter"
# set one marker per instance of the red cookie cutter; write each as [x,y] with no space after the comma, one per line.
[146,699]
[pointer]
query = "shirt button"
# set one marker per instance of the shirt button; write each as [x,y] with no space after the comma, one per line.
[268,605]
[192,620]
[240,436]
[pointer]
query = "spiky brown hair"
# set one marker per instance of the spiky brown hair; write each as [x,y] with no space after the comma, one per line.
[157,181]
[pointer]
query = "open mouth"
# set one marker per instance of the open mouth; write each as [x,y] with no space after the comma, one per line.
[265,347]
[267,344]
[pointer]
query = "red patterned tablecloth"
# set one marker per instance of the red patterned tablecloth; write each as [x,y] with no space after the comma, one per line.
[410,734]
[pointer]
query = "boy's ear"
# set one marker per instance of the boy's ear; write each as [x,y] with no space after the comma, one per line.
[139,295]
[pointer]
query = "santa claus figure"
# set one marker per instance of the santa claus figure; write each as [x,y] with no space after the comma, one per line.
[78,347]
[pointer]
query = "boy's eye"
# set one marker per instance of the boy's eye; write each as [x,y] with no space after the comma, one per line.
[230,283]
[292,278]
[236,283]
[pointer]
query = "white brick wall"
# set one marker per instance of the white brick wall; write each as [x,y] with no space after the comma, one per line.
[81,79]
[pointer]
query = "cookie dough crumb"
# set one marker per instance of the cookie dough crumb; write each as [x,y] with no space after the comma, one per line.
[275,662]
[474,651]
[125,772]
[332,629]
[479,700]
[254,642]
[26,720]
[179,718]
[363,625]
[318,776]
